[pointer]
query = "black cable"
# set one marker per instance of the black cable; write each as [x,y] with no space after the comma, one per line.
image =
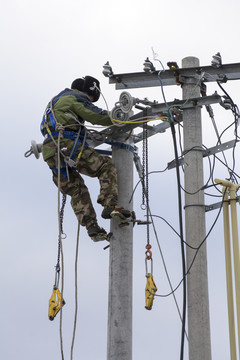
[162,218]
[236,114]
[232,173]
[210,175]
[182,241]
[195,255]
[141,181]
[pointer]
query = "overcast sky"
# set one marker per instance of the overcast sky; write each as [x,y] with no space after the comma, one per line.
[45,46]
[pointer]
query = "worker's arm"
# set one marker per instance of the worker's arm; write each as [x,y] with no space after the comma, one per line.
[91,113]
[76,106]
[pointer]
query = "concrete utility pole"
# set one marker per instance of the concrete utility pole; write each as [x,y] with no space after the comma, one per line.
[197,279]
[120,254]
[120,266]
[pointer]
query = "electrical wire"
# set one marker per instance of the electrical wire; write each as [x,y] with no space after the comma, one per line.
[184,305]
[232,173]
[76,291]
[141,180]
[195,255]
[162,218]
[138,120]
[165,267]
[182,242]
[135,121]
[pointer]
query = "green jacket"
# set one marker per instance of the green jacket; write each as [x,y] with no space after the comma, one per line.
[72,109]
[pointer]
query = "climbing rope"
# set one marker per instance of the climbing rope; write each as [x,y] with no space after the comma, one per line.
[76,292]
[60,239]
[57,267]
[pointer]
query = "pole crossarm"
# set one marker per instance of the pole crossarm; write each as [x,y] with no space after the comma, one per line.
[174,77]
[188,103]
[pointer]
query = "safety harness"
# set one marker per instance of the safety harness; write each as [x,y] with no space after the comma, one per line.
[67,165]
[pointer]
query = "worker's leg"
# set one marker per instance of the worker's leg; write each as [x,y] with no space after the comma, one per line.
[95,165]
[80,198]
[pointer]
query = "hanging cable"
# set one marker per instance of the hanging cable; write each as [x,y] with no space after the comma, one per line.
[195,255]
[182,241]
[179,208]
[57,267]
[76,291]
[59,235]
[158,243]
[165,269]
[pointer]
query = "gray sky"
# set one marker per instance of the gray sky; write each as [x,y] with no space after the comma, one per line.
[45,45]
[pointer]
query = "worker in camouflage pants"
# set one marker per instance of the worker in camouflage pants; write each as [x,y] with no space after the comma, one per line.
[70,109]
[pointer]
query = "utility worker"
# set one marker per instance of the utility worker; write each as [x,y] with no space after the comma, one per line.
[66,113]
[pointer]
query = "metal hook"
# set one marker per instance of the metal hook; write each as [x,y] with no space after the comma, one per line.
[148,252]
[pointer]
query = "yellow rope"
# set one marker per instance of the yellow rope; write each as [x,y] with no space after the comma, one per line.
[138,121]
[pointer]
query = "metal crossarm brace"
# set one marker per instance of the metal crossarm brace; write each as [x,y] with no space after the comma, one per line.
[218,205]
[211,151]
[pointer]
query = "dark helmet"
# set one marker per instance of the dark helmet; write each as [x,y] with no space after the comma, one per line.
[89,85]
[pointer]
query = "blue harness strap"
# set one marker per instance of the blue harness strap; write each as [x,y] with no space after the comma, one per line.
[73,135]
[49,112]
[63,169]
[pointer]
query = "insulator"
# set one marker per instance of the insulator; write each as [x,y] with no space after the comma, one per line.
[126,102]
[107,70]
[216,60]
[148,66]
[227,103]
[36,149]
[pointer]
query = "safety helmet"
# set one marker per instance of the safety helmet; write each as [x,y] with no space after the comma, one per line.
[89,85]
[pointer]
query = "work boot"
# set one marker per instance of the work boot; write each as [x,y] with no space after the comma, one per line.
[97,233]
[106,213]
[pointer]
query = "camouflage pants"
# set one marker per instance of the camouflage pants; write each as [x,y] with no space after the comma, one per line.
[94,165]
